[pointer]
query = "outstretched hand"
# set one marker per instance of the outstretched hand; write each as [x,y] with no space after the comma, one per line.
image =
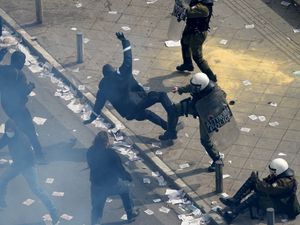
[120,36]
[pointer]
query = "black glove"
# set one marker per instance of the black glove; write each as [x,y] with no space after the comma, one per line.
[120,36]
[254,176]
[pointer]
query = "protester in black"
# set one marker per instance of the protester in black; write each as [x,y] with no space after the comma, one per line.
[14,90]
[107,176]
[131,101]
[23,163]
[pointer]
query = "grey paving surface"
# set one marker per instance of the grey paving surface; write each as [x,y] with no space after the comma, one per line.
[266,55]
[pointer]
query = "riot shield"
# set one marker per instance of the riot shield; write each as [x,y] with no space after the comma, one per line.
[215,113]
[175,27]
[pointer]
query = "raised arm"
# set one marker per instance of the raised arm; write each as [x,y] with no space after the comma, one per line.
[126,68]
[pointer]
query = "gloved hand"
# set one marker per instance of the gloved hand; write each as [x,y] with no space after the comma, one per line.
[254,176]
[120,36]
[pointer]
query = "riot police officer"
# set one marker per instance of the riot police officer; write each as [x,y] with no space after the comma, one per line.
[277,190]
[198,14]
[208,103]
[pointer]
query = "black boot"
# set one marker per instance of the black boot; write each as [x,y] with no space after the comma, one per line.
[233,213]
[212,167]
[183,67]
[171,133]
[244,190]
[132,215]
[203,66]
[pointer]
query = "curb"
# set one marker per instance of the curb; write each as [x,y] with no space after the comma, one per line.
[147,155]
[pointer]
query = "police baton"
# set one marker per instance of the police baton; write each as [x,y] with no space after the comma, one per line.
[219,176]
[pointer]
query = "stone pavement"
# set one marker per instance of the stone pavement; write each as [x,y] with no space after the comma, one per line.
[266,55]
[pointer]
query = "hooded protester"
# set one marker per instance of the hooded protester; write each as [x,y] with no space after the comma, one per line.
[130,100]
[14,96]
[107,176]
[278,190]
[23,163]
[197,16]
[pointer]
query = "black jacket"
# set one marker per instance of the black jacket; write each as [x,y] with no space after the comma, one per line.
[120,89]
[105,167]
[19,149]
[14,89]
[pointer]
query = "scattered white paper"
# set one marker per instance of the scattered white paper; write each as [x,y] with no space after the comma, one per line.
[32,94]
[155,174]
[81,87]
[229,161]
[197,212]
[86,40]
[156,145]
[39,120]
[284,220]
[161,181]
[78,5]
[46,217]
[253,117]
[3,161]
[296,73]
[223,42]
[226,176]
[146,88]
[76,70]
[285,3]
[156,200]
[146,181]
[245,129]
[247,82]
[149,212]
[28,202]
[66,217]
[135,72]
[296,31]
[49,180]
[274,124]
[126,28]
[172,43]
[224,195]
[151,1]
[124,217]
[164,209]
[249,26]
[35,68]
[2,128]
[73,28]
[216,208]
[112,12]
[184,165]
[186,134]
[136,59]
[281,154]
[158,152]
[262,118]
[58,194]
[88,77]
[274,104]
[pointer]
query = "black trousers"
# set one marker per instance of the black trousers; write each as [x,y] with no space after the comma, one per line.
[23,120]
[142,113]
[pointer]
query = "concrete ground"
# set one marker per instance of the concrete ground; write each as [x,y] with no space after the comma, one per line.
[266,55]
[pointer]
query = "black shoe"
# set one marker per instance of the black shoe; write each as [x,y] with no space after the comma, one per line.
[184,67]
[168,136]
[231,202]
[55,217]
[132,215]
[229,216]
[212,167]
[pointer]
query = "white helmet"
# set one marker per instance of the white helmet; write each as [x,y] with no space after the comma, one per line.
[278,165]
[201,80]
